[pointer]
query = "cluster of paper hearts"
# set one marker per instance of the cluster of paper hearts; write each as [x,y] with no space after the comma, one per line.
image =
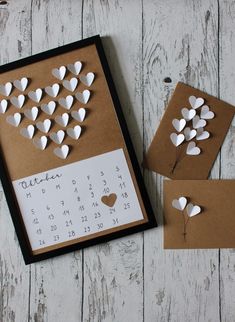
[198,124]
[182,203]
[75,69]
[20,84]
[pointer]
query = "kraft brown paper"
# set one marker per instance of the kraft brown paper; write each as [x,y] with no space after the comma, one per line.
[162,153]
[101,131]
[214,227]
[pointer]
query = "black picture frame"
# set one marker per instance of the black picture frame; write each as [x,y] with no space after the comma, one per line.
[29,257]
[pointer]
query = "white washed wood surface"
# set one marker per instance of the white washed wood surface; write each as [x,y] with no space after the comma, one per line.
[132,278]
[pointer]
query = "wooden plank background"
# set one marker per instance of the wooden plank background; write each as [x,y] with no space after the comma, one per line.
[150,45]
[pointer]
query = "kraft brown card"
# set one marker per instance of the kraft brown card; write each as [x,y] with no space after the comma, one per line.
[70,173]
[190,134]
[199,214]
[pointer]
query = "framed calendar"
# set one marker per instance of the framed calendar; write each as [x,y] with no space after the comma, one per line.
[68,167]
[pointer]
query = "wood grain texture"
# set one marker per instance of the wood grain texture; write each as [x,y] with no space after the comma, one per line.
[114,271]
[15,31]
[179,42]
[227,93]
[56,285]
[133,278]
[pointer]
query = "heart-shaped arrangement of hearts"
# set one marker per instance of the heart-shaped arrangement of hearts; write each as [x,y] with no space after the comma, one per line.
[74,105]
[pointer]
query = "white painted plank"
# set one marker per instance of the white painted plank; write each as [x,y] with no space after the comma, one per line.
[113,280]
[56,284]
[227,93]
[179,42]
[14,275]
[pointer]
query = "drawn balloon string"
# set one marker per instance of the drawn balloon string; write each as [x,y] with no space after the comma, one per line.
[190,129]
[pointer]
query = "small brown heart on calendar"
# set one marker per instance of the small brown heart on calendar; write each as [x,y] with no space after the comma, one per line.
[109,200]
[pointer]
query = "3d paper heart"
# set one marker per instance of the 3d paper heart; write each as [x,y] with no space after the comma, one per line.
[176,139]
[40,143]
[27,132]
[62,152]
[57,137]
[87,79]
[179,124]
[44,126]
[6,89]
[21,84]
[79,115]
[193,210]
[3,106]
[71,84]
[35,95]
[206,113]
[83,97]
[189,134]
[196,102]
[66,102]
[62,119]
[180,203]
[14,119]
[59,72]
[49,108]
[75,68]
[202,135]
[53,90]
[192,149]
[32,113]
[18,101]
[197,122]
[188,114]
[75,132]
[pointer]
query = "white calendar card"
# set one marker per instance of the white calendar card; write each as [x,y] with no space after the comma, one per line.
[77,200]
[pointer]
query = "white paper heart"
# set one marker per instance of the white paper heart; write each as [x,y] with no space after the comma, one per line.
[202,135]
[83,97]
[189,134]
[59,72]
[180,203]
[196,102]
[28,132]
[192,149]
[53,90]
[62,119]
[41,142]
[18,101]
[75,132]
[66,102]
[75,68]
[35,95]
[193,210]
[177,139]
[14,119]
[49,108]
[44,126]
[21,84]
[79,115]
[206,113]
[197,122]
[3,106]
[71,84]
[32,113]
[62,152]
[179,124]
[57,137]
[87,79]
[5,89]
[188,114]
